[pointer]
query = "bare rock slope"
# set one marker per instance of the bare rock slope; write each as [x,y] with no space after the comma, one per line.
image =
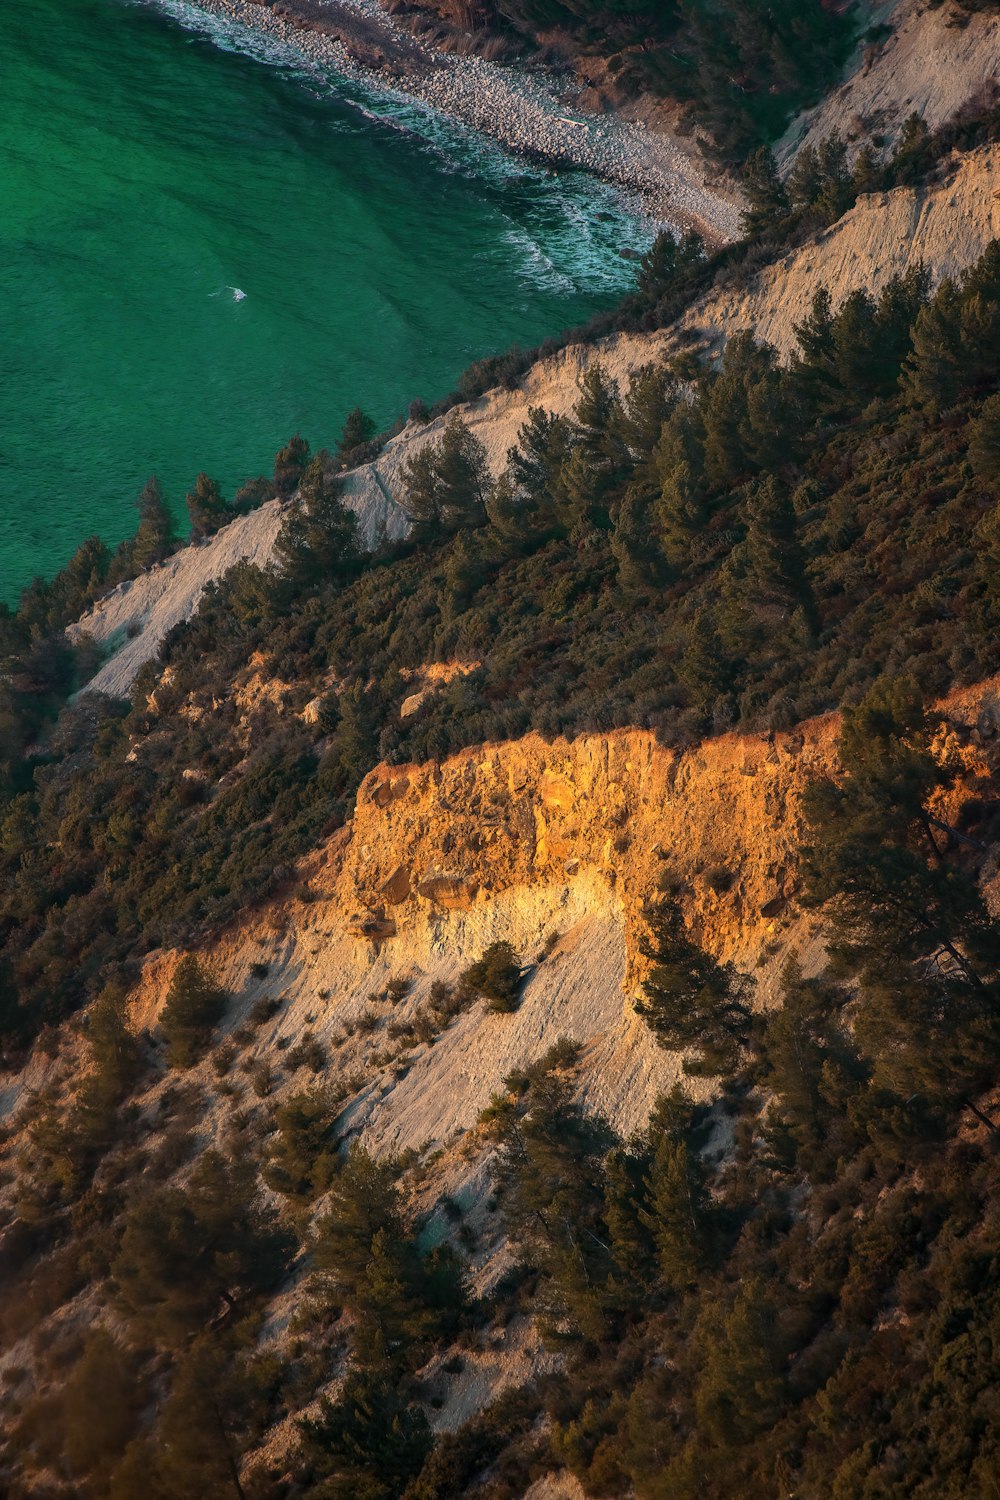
[555,848]
[936,61]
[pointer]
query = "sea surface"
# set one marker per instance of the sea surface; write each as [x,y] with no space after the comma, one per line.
[206,247]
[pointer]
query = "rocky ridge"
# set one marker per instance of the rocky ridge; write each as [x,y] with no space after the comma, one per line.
[555,848]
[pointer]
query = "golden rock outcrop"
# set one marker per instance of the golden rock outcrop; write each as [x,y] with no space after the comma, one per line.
[722,821]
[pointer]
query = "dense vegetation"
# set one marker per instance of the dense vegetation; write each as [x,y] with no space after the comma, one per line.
[791,1292]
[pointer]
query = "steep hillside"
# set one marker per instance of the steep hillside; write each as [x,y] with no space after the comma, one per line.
[557,848]
[938,60]
[944,226]
[538,844]
[336,989]
[510,1005]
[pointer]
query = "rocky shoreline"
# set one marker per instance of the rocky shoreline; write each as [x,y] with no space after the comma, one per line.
[535,114]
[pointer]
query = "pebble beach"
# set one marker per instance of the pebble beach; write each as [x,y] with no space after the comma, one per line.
[531,112]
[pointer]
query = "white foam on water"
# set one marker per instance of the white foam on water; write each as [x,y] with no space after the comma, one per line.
[566,227]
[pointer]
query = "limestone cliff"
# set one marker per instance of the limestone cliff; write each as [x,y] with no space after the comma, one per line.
[935,61]
[722,821]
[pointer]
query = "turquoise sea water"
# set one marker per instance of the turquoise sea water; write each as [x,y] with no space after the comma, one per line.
[149,163]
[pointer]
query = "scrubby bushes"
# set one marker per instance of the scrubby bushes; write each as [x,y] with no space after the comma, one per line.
[496,977]
[303,1155]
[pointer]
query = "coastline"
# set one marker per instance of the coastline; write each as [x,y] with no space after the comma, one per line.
[531,113]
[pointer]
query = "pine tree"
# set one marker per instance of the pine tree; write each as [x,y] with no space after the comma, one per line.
[318,542]
[813,369]
[706,670]
[543,443]
[933,372]
[207,510]
[463,574]
[908,920]
[598,429]
[911,151]
[462,476]
[422,500]
[633,545]
[252,494]
[156,533]
[363,1203]
[774,558]
[625,1213]
[835,193]
[114,1049]
[188,1253]
[810,1064]
[740,1387]
[550,1157]
[583,496]
[98,1407]
[730,444]
[682,512]
[677,1212]
[857,352]
[289,465]
[496,977]
[667,264]
[358,429]
[897,309]
[866,176]
[765,193]
[368,1443]
[692,1003]
[302,1156]
[194,1006]
[394,1321]
[651,398]
[358,721]
[658,267]
[447,483]
[805,179]
[217,1401]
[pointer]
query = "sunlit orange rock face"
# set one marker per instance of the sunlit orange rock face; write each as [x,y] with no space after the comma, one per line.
[723,821]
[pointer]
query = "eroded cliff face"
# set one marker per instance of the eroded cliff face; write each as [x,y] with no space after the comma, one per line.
[554,847]
[945,226]
[722,821]
[936,61]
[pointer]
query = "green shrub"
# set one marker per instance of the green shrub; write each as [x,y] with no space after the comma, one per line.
[496,977]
